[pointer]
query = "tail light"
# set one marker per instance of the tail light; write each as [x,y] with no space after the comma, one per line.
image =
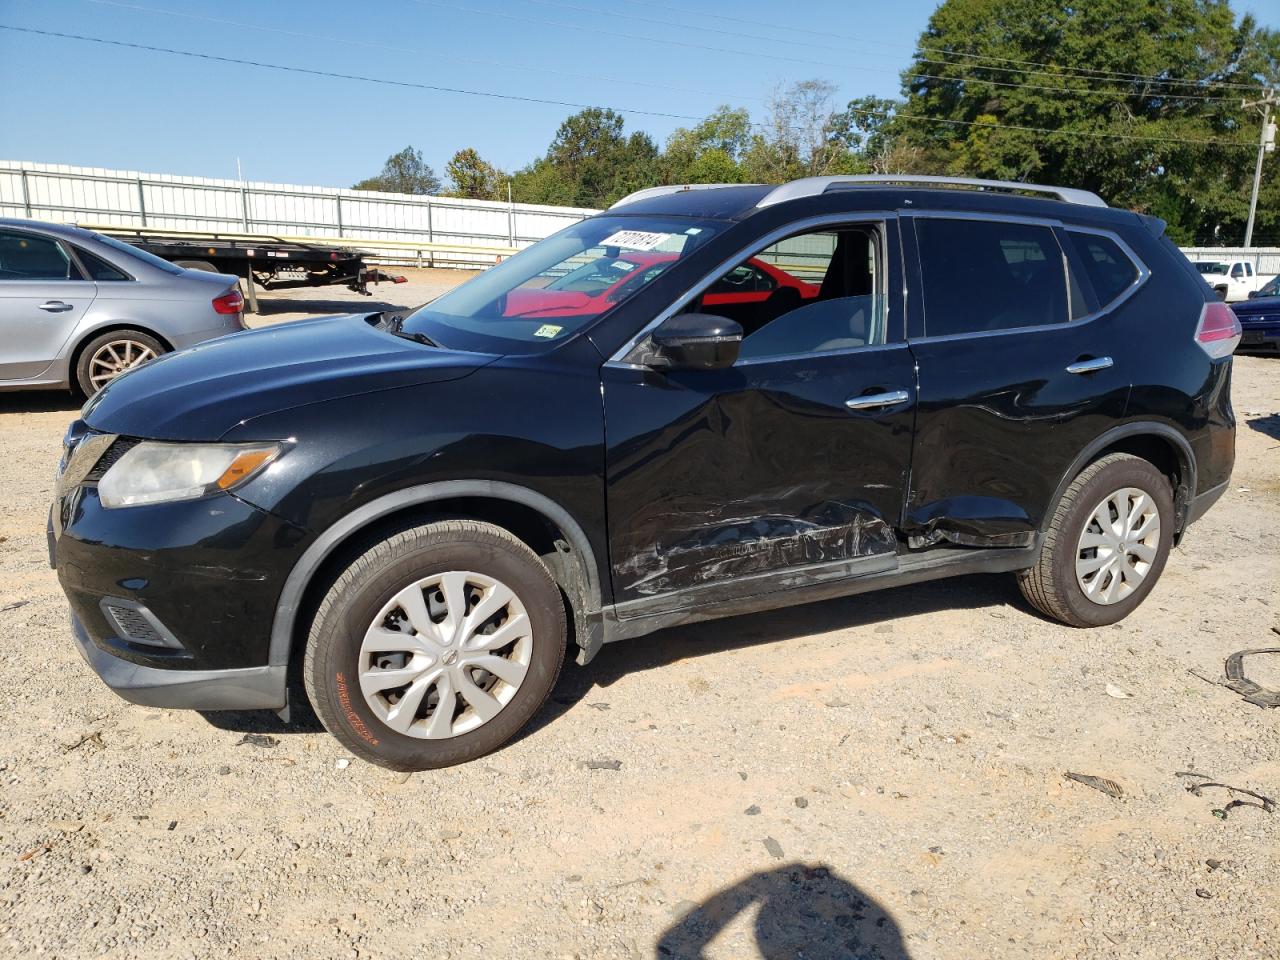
[229,303]
[1218,332]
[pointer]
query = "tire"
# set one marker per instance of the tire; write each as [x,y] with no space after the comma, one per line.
[371,599]
[1055,587]
[95,366]
[204,265]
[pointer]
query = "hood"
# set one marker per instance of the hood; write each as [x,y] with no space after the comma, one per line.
[202,392]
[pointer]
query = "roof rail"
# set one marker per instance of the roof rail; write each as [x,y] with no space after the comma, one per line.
[813,186]
[648,192]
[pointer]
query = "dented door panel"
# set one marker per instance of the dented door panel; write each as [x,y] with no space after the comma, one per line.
[714,476]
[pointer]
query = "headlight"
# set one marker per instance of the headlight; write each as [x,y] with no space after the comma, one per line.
[155,472]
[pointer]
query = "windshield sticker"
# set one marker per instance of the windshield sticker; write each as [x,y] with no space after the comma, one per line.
[547,330]
[634,239]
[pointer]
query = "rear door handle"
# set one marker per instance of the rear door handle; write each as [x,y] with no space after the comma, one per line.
[872,401]
[56,306]
[1090,366]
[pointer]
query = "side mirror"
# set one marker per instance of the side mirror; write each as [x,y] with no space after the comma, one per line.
[695,341]
[1253,294]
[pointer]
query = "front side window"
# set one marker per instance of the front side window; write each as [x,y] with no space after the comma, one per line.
[823,294]
[25,256]
[983,276]
[1237,271]
[1109,269]
[559,285]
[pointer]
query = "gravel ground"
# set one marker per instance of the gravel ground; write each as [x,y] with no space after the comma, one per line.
[879,776]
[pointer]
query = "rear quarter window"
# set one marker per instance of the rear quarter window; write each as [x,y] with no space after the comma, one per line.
[1109,269]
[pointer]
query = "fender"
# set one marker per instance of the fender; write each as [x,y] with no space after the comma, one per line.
[295,586]
[1137,428]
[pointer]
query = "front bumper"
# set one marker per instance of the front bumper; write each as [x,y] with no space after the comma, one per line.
[248,688]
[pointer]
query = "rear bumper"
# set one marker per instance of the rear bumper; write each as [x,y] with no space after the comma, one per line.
[249,688]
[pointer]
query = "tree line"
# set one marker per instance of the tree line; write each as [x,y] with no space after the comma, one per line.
[1114,96]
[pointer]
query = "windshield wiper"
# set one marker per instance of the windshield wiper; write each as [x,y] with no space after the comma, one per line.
[395,323]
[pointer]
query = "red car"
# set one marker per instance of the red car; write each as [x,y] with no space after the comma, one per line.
[594,286]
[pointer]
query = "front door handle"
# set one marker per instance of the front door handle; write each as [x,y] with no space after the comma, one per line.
[871,401]
[56,306]
[1089,366]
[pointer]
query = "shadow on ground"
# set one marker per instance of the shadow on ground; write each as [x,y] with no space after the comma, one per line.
[616,661]
[40,401]
[1269,425]
[804,911]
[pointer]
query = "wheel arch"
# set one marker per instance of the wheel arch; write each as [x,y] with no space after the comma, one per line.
[1159,444]
[567,553]
[82,341]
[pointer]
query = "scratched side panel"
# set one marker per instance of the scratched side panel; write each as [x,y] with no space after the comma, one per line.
[715,476]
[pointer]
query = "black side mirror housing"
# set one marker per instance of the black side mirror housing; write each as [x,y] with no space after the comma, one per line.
[695,341]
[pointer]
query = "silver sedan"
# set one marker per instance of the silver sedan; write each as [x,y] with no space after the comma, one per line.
[78,309]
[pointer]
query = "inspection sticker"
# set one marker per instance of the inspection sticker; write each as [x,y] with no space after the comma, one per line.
[547,330]
[634,239]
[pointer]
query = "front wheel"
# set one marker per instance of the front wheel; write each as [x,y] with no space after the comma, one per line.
[1106,544]
[435,646]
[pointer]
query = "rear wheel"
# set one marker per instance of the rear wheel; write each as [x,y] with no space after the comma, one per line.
[107,356]
[435,646]
[1106,545]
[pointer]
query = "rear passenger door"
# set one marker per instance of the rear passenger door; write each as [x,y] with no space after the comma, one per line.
[1018,369]
[43,296]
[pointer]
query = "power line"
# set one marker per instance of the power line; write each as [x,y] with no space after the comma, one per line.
[1077,134]
[591,28]
[340,76]
[351,41]
[1053,69]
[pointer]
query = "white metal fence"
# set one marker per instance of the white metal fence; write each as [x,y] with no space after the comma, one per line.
[397,227]
[390,224]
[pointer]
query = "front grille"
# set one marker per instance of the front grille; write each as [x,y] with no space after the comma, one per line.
[118,449]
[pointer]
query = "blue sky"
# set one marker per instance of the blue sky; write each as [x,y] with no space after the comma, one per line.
[66,101]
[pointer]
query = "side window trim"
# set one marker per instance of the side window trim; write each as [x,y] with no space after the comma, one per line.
[885,218]
[908,221]
[1143,273]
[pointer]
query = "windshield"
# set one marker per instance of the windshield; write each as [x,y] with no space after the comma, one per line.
[149,258]
[557,286]
[1211,266]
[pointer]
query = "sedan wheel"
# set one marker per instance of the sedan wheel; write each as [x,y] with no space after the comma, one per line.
[115,357]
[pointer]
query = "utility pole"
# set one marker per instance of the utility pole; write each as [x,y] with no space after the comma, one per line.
[1266,144]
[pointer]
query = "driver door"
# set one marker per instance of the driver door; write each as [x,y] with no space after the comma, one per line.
[785,469]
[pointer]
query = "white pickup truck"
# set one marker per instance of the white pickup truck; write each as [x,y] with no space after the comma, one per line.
[1233,279]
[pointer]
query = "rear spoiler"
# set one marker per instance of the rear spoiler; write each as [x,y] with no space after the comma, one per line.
[1153,224]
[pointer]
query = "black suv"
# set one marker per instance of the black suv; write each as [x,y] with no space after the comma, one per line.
[704,401]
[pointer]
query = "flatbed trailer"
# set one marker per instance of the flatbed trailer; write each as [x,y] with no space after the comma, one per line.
[273,263]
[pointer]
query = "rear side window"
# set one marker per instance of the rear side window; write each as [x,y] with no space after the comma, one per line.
[97,268]
[25,256]
[1108,268]
[983,276]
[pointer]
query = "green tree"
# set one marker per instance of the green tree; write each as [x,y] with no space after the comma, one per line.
[590,163]
[987,65]
[710,151]
[404,172]
[473,177]
[800,137]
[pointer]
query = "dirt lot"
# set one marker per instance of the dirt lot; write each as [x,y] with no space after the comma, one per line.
[880,776]
[420,286]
